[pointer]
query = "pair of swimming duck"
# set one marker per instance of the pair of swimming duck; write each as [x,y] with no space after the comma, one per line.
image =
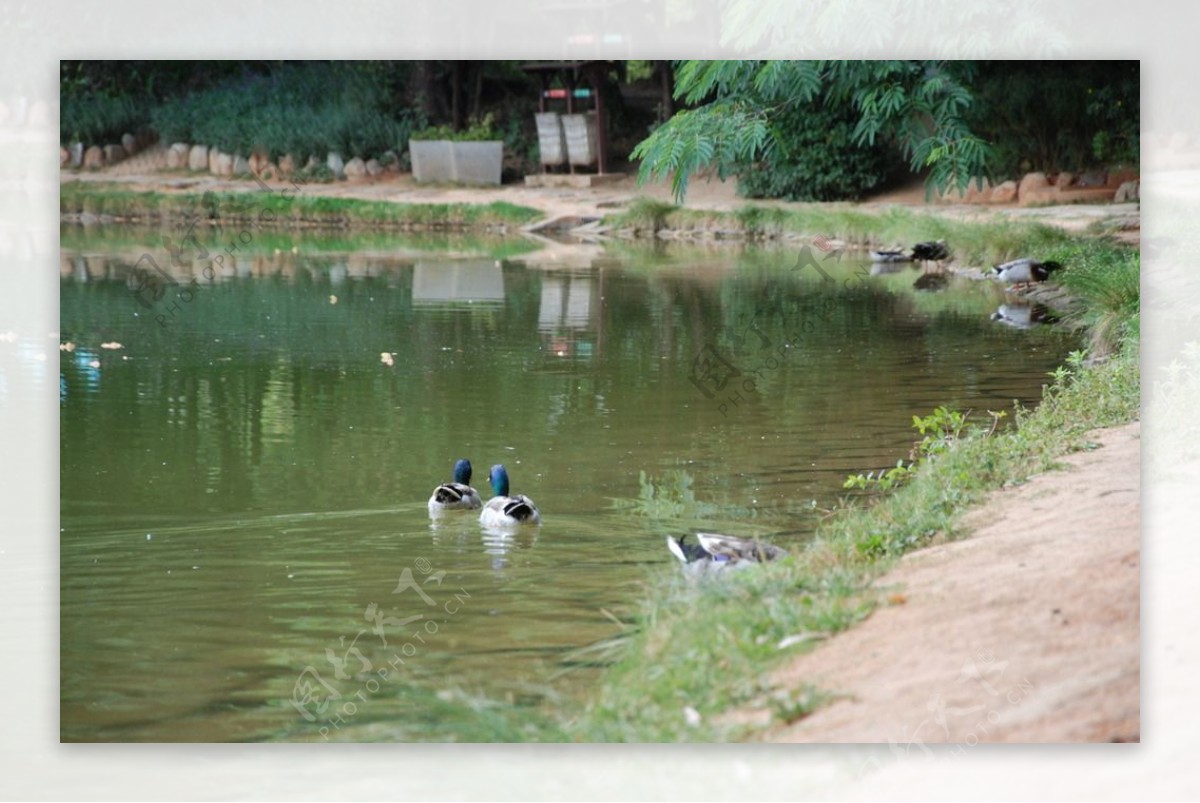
[712,553]
[500,510]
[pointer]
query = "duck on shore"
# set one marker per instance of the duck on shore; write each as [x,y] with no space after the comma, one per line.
[1025,271]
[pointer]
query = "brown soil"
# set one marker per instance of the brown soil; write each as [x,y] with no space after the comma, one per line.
[144,172]
[1027,631]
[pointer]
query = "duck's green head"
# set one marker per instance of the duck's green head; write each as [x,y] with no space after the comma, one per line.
[462,471]
[498,477]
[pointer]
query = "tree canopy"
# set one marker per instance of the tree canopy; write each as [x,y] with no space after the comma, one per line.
[738,105]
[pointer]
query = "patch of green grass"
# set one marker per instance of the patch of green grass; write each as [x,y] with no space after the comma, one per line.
[710,645]
[1108,283]
[277,209]
[973,243]
[644,214]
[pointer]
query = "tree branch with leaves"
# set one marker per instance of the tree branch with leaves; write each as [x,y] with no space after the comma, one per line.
[737,106]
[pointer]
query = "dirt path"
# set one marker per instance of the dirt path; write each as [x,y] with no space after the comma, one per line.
[1027,631]
[141,173]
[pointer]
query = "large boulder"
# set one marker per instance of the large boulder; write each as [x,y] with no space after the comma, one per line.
[373,167]
[198,157]
[335,164]
[93,158]
[1126,192]
[976,194]
[1032,184]
[224,164]
[177,156]
[113,154]
[1004,193]
[130,144]
[76,154]
[287,165]
[356,168]
[64,157]
[241,166]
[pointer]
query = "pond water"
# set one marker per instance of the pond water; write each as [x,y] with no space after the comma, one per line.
[245,549]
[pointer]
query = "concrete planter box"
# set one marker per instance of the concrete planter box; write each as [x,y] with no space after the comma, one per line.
[463,162]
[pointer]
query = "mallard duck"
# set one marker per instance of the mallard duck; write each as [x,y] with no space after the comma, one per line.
[503,509]
[1025,271]
[717,552]
[931,251]
[886,255]
[458,494]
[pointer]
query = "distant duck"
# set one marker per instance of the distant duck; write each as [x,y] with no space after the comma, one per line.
[718,552]
[886,255]
[931,251]
[458,494]
[1025,271]
[503,509]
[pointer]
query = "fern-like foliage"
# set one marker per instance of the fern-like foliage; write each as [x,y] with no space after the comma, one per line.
[917,105]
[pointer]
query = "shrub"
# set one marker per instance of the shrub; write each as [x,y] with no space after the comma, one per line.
[301,109]
[98,118]
[816,160]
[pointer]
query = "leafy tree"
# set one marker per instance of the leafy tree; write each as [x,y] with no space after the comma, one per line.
[738,107]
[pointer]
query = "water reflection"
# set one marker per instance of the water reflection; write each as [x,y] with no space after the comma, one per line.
[471,281]
[282,470]
[1023,315]
[568,314]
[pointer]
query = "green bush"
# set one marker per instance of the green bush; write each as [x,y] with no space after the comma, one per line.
[301,109]
[477,131]
[1057,115]
[99,118]
[815,159]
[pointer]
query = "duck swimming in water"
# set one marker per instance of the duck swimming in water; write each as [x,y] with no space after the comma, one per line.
[502,509]
[458,493]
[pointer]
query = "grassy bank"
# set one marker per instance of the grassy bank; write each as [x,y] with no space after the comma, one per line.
[976,242]
[263,209]
[710,646]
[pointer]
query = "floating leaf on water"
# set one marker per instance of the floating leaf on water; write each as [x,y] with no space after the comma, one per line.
[66,346]
[112,344]
[387,359]
[333,299]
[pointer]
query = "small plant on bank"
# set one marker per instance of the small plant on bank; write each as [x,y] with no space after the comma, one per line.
[940,431]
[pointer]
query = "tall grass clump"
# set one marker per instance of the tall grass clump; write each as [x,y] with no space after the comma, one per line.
[300,109]
[96,118]
[1107,282]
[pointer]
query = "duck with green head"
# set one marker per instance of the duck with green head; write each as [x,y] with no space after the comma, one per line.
[457,494]
[503,509]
